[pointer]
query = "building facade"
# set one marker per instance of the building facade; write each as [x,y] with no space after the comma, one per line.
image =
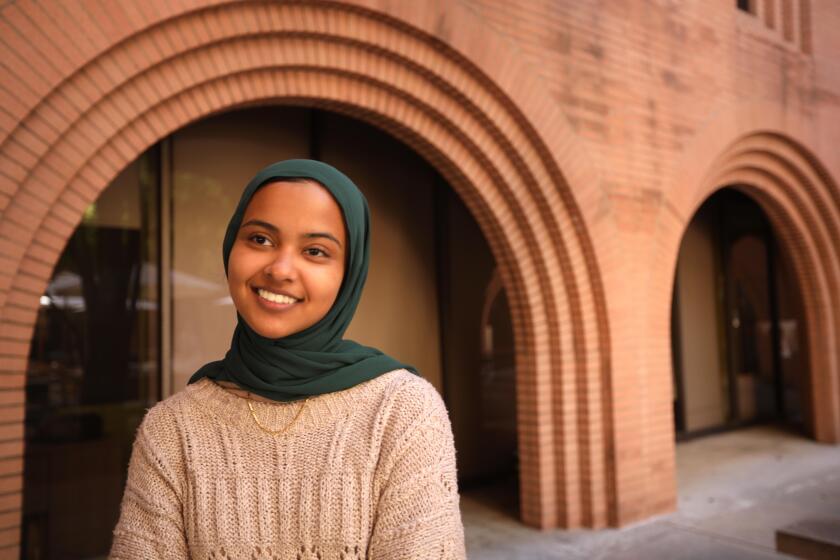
[582,138]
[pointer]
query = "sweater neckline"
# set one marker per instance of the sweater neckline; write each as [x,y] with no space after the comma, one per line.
[232,410]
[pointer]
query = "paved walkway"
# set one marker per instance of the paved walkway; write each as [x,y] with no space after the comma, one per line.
[735,490]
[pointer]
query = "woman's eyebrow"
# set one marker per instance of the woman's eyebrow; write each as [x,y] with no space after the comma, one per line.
[260,223]
[322,234]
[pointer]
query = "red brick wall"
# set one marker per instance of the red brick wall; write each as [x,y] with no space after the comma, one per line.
[582,136]
[671,101]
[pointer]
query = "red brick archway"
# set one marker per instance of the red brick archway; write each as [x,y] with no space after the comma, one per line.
[162,74]
[803,205]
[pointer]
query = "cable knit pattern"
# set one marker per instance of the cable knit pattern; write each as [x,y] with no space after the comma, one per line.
[368,472]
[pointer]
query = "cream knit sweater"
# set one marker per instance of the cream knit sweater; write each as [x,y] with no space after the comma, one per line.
[368,472]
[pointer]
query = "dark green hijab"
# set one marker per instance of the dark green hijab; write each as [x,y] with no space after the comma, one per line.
[315,360]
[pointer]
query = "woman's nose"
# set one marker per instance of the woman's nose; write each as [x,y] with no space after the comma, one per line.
[282,266]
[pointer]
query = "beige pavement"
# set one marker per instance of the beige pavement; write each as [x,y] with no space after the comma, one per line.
[735,490]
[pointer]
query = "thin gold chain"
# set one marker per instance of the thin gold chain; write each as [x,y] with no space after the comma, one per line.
[283,429]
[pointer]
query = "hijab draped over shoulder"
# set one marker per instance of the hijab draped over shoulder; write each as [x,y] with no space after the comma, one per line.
[317,359]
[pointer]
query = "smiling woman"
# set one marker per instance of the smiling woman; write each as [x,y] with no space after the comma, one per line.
[284,280]
[233,466]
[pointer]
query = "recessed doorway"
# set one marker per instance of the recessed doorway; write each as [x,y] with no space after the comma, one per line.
[738,329]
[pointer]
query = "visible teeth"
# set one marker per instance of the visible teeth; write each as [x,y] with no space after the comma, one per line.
[276,298]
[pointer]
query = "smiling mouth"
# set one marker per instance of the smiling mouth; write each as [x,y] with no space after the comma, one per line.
[275,298]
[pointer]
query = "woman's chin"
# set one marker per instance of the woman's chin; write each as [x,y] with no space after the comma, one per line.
[272,331]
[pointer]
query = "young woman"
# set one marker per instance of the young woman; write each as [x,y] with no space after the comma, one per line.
[298,444]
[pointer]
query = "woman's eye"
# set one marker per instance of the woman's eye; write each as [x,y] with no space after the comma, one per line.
[260,239]
[315,252]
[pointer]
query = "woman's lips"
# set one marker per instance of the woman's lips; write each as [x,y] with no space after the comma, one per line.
[274,301]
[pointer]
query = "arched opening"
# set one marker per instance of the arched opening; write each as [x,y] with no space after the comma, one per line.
[462,118]
[763,200]
[155,232]
[738,327]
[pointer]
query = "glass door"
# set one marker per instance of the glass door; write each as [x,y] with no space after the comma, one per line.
[736,322]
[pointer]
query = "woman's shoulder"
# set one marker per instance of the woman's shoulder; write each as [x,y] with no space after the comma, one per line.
[168,413]
[412,423]
[408,398]
[404,387]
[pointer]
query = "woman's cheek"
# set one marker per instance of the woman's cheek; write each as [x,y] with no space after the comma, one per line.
[335,283]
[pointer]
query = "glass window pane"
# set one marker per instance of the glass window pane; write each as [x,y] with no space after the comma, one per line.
[93,370]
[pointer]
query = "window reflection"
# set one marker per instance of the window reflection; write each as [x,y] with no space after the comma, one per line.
[93,370]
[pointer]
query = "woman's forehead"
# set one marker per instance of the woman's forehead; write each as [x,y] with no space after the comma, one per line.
[299,201]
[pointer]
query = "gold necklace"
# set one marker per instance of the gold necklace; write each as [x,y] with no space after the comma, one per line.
[281,430]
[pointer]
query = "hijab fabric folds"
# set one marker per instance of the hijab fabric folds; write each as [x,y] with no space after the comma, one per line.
[316,360]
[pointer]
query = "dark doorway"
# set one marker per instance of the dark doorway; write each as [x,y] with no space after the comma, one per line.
[478,355]
[737,323]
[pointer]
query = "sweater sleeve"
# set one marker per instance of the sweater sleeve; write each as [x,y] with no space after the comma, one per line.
[151,521]
[418,515]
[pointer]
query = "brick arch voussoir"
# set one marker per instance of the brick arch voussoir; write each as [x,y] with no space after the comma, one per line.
[230,43]
[812,178]
[799,222]
[803,169]
[785,183]
[794,221]
[486,163]
[798,217]
[806,160]
[569,285]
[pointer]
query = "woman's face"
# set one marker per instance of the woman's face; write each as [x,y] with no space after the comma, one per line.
[287,263]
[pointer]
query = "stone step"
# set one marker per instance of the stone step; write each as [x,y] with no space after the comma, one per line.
[812,539]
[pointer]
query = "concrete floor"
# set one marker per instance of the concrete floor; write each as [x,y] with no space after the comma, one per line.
[735,490]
